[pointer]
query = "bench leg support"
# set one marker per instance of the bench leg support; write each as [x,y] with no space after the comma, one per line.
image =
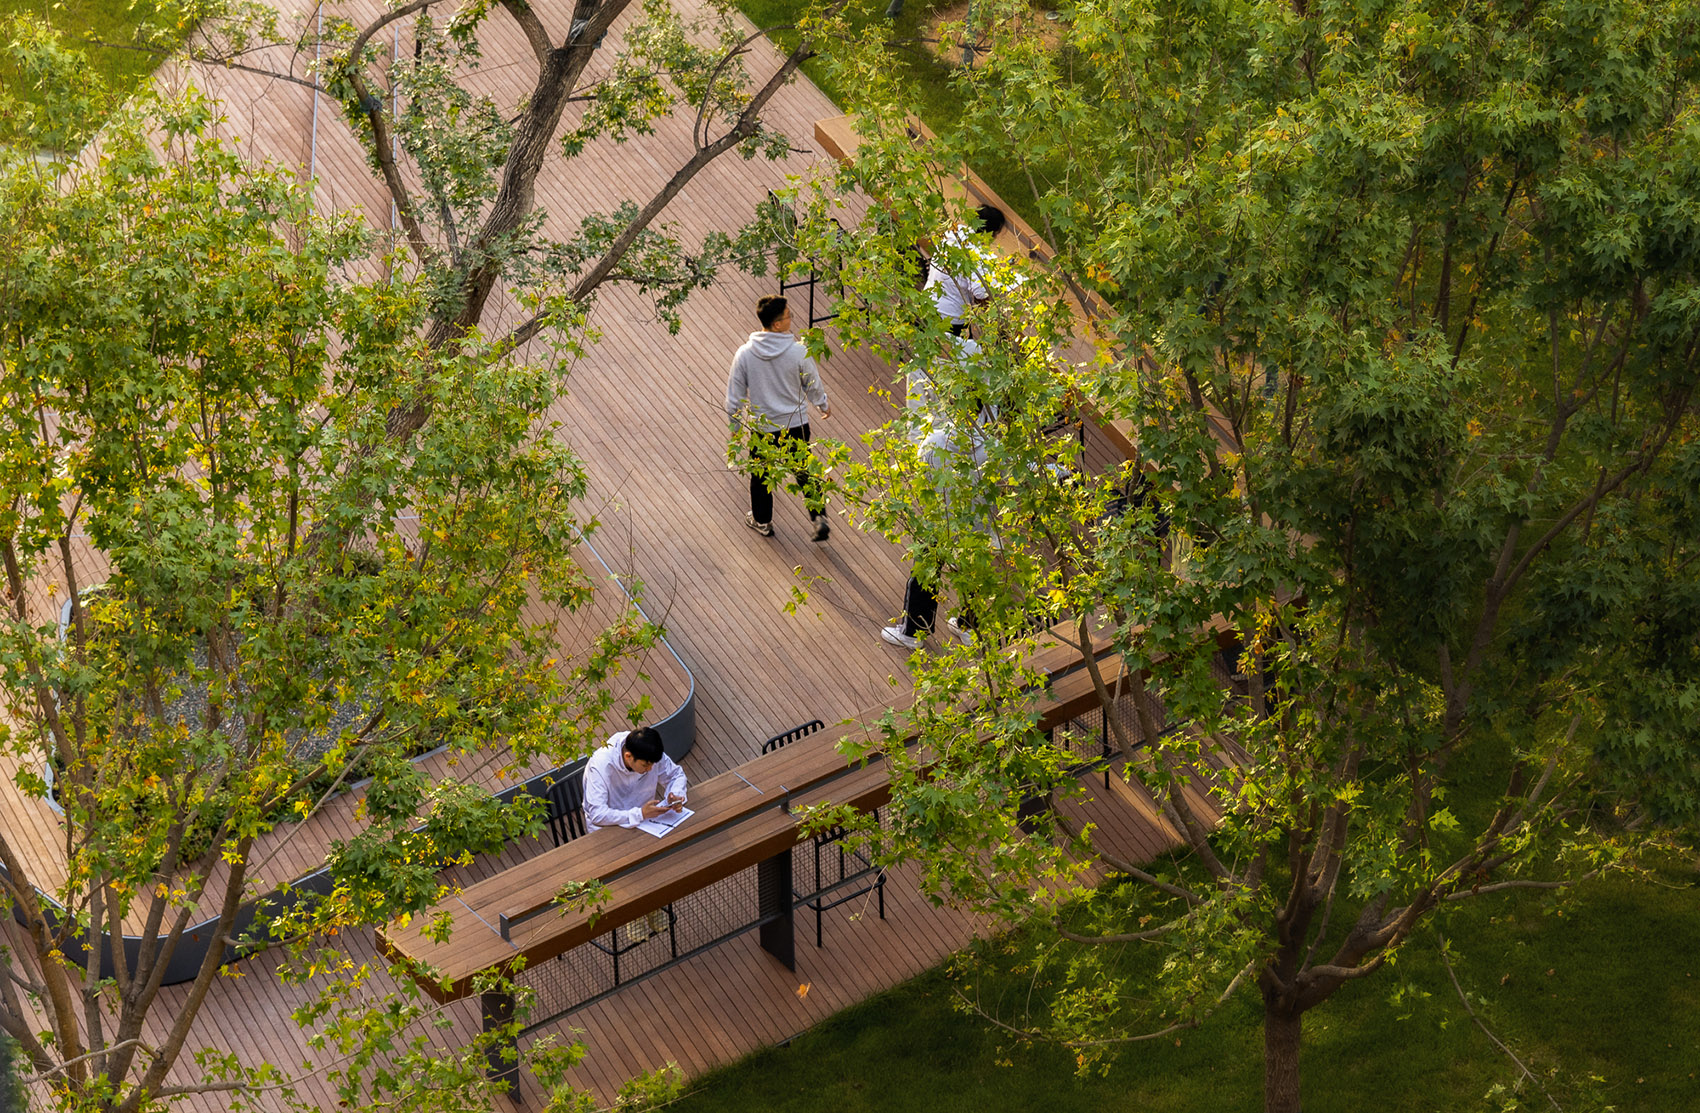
[1027,815]
[503,1055]
[774,899]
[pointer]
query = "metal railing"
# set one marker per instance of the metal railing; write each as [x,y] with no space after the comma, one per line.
[834,840]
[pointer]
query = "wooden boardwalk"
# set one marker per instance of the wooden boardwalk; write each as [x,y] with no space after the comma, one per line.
[644,412]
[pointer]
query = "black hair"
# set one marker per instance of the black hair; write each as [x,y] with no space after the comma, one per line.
[991,219]
[770,309]
[644,743]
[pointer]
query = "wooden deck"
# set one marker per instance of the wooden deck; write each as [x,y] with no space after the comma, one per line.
[704,1013]
[644,412]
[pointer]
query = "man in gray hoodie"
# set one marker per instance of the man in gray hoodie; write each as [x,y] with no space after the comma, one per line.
[772,382]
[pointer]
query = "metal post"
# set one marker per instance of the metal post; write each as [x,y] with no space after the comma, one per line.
[773,897]
[1104,724]
[1027,813]
[820,901]
[503,1054]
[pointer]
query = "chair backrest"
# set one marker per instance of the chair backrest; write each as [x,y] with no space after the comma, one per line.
[791,735]
[566,807]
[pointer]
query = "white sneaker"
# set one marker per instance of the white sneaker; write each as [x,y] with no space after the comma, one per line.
[637,931]
[963,633]
[896,636]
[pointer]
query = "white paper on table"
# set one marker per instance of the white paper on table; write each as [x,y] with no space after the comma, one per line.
[665,822]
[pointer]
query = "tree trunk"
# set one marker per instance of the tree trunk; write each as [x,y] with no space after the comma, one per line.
[1281,1059]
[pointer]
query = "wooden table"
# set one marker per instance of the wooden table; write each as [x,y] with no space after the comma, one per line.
[742,817]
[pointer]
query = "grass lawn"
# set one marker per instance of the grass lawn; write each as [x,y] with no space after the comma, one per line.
[1599,995]
[83,25]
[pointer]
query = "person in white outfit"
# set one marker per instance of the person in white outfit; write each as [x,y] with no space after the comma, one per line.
[920,392]
[628,780]
[631,779]
[955,290]
[941,447]
[769,388]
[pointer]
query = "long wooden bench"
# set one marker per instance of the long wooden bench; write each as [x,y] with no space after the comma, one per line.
[743,816]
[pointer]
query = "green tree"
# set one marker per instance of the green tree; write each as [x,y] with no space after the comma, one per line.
[266,599]
[321,500]
[461,169]
[1399,304]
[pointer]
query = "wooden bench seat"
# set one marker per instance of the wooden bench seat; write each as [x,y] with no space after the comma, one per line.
[742,817]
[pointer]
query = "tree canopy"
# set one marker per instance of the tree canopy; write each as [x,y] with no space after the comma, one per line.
[266,598]
[1399,304]
[315,503]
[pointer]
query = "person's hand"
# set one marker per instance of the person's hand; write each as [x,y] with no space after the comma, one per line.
[826,411]
[651,810]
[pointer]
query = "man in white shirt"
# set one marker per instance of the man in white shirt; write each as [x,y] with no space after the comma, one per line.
[943,447]
[921,394]
[953,293]
[631,779]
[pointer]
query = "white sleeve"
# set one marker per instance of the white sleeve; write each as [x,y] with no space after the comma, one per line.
[672,777]
[918,390]
[597,811]
[975,283]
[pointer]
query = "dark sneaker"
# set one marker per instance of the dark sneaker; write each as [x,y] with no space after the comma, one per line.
[763,528]
[822,529]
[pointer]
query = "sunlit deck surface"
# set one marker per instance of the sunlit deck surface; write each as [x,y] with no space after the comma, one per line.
[644,412]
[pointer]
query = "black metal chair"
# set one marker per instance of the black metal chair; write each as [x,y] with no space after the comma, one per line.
[566,807]
[834,837]
[785,220]
[566,823]
[787,737]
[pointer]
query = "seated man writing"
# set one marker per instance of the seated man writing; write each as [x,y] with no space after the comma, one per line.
[631,779]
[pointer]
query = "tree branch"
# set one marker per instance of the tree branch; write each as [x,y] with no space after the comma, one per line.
[44,1075]
[1124,937]
[1036,1034]
[1645,461]
[1516,883]
[1463,999]
[535,33]
[166,1057]
[1347,973]
[748,120]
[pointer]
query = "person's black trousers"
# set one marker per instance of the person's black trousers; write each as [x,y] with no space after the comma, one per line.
[921,609]
[761,495]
